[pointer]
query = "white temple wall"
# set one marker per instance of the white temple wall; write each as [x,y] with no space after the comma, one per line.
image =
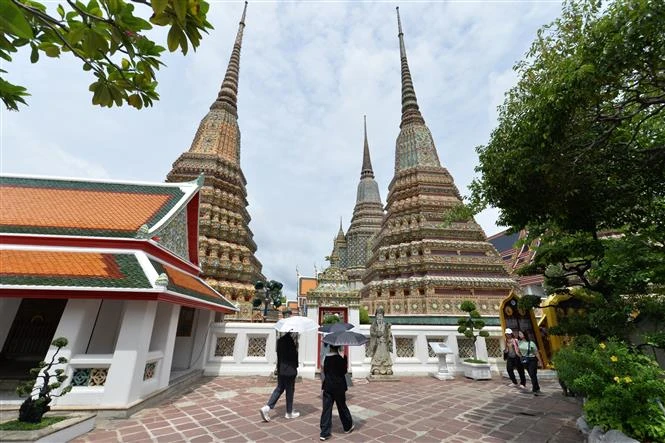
[203,322]
[107,326]
[249,349]
[8,309]
[76,325]
[133,365]
[163,340]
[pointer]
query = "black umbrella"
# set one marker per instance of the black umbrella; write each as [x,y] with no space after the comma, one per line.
[335,327]
[345,338]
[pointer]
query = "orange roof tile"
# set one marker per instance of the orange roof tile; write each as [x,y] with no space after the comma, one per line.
[58,263]
[307,284]
[76,208]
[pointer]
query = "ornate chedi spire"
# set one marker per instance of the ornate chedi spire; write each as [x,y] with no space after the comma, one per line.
[421,264]
[228,94]
[366,220]
[367,161]
[218,132]
[226,245]
[338,255]
[415,145]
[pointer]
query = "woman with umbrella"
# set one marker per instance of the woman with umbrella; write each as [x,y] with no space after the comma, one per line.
[335,368]
[287,364]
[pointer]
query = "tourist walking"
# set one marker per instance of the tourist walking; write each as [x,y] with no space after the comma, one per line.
[513,359]
[530,359]
[287,369]
[335,368]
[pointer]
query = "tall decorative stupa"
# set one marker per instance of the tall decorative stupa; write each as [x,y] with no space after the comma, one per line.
[420,264]
[366,220]
[226,245]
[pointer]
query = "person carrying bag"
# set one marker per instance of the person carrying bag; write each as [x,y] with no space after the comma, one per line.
[530,360]
[513,357]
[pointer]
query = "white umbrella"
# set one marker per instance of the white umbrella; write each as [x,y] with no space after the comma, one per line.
[296,324]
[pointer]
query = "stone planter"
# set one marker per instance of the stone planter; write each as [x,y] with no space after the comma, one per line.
[477,371]
[65,430]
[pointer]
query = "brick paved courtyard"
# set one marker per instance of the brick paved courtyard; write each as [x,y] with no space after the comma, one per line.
[419,409]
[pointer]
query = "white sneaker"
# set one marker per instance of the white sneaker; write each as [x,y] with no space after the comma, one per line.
[265,413]
[293,414]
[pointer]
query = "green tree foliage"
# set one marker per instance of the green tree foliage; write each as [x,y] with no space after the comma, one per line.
[471,326]
[43,381]
[331,319]
[622,387]
[364,316]
[578,158]
[109,37]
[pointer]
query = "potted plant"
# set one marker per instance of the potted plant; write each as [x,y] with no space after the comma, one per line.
[471,326]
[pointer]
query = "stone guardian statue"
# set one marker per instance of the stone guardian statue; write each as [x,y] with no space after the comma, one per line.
[380,345]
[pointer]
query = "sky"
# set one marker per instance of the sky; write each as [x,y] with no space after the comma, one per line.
[309,71]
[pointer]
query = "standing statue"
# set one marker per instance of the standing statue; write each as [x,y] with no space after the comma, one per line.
[380,345]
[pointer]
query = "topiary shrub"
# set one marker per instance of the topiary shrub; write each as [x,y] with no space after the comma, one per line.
[33,409]
[472,323]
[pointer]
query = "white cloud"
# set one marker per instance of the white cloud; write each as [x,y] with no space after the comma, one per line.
[308,73]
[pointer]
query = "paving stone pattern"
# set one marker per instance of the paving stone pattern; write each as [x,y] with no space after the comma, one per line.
[418,409]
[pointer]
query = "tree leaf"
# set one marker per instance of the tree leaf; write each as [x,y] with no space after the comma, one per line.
[34,54]
[13,21]
[180,7]
[173,38]
[159,6]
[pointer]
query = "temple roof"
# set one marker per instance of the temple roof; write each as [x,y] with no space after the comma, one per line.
[101,273]
[76,207]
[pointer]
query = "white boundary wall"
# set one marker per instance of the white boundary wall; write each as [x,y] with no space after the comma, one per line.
[240,363]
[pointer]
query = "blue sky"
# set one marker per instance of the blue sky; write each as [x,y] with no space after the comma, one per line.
[309,71]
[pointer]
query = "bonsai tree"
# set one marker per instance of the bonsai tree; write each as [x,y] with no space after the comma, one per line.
[271,291]
[41,385]
[471,326]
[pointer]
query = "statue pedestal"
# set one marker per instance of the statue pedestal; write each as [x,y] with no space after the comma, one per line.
[374,378]
[441,351]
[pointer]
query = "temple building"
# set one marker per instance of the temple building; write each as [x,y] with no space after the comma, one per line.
[421,265]
[112,267]
[227,248]
[515,254]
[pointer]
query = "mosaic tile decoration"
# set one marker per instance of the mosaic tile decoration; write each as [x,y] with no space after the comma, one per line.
[174,235]
[89,376]
[149,371]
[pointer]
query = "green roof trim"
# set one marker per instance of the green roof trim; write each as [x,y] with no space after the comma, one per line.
[221,300]
[434,320]
[133,277]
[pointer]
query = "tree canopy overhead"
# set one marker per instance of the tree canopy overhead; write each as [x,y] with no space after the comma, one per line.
[109,37]
[581,138]
[580,150]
